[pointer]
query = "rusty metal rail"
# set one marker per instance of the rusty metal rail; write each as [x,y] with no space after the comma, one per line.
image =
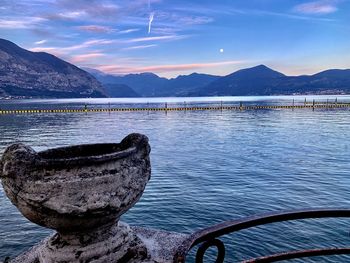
[208,237]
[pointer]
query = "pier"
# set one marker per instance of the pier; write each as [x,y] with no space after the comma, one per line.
[241,107]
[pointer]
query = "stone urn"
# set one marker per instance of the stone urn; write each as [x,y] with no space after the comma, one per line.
[81,192]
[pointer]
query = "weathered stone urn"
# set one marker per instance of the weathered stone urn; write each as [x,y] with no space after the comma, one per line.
[80,191]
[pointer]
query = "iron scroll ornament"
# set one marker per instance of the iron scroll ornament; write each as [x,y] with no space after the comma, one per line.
[208,237]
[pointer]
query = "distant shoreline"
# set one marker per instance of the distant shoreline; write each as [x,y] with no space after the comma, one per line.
[80,98]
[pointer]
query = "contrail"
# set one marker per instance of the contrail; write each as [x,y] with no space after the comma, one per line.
[151,16]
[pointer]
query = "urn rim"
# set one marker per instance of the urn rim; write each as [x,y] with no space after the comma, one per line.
[92,153]
[107,152]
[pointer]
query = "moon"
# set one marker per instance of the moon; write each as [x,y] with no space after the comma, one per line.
[221,50]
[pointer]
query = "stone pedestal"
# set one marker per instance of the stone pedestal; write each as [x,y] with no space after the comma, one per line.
[81,192]
[116,243]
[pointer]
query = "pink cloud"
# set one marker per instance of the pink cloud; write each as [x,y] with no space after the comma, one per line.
[317,7]
[112,69]
[96,29]
[86,57]
[52,50]
[68,49]
[90,8]
[157,38]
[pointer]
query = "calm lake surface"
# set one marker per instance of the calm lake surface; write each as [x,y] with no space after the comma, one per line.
[208,167]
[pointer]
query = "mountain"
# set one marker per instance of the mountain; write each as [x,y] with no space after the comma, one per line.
[120,91]
[39,74]
[145,84]
[151,85]
[184,84]
[261,80]
[252,81]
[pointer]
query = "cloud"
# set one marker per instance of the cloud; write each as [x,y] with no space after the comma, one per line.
[317,7]
[67,49]
[93,8]
[165,30]
[139,47]
[291,16]
[23,23]
[86,57]
[112,69]
[51,50]
[87,44]
[216,10]
[156,38]
[183,19]
[196,20]
[96,29]
[65,16]
[127,31]
[44,49]
[40,42]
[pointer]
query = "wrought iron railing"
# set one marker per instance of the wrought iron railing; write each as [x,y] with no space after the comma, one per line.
[208,237]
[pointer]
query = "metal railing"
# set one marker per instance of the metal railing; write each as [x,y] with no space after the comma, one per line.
[208,237]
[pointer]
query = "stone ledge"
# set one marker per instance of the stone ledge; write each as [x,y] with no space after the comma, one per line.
[161,245]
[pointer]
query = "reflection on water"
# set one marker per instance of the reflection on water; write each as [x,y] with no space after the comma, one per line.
[208,167]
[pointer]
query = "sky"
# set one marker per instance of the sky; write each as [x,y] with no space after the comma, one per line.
[177,37]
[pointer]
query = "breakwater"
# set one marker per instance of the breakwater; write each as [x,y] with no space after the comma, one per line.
[165,108]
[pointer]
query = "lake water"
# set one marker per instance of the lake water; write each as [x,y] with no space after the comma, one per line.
[208,167]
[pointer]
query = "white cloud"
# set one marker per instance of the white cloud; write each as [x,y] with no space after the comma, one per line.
[40,42]
[24,22]
[127,31]
[317,7]
[139,47]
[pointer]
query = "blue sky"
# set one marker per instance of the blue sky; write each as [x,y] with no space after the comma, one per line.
[177,37]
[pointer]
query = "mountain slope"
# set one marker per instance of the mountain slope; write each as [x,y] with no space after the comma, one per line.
[145,84]
[184,84]
[258,80]
[39,74]
[120,91]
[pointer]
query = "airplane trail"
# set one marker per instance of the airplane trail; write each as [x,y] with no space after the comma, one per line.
[151,16]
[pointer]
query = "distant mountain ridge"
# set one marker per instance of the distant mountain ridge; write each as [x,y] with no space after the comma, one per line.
[39,74]
[259,80]
[150,85]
